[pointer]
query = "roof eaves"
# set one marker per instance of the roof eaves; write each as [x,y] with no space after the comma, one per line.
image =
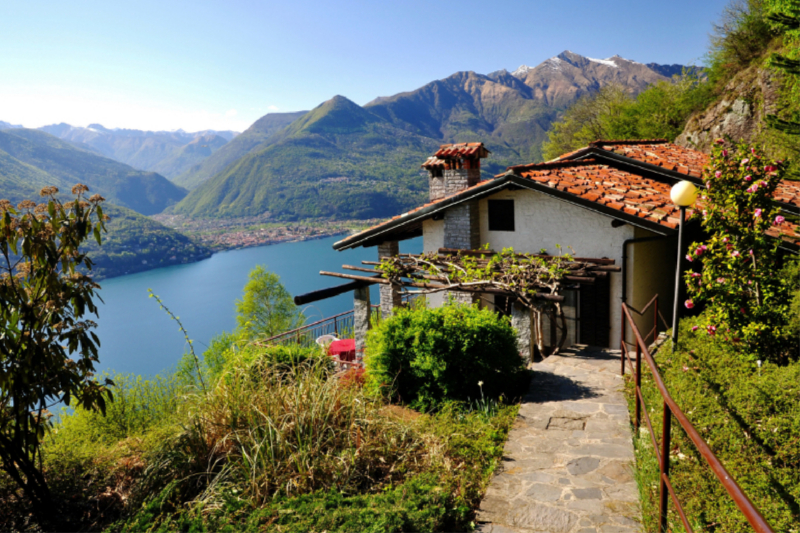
[478,191]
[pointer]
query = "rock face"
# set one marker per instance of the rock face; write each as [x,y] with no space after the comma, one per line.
[738,114]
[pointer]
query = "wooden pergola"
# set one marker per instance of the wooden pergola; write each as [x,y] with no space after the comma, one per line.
[534,282]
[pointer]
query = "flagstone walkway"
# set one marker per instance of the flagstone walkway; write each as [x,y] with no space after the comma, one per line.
[568,462]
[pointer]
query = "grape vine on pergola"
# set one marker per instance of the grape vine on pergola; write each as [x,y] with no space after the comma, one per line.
[534,281]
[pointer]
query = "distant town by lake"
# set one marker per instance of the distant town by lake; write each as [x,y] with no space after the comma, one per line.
[139,338]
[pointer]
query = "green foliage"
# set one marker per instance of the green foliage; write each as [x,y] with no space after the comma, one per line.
[428,356]
[740,278]
[749,416]
[266,308]
[660,111]
[135,243]
[47,348]
[741,36]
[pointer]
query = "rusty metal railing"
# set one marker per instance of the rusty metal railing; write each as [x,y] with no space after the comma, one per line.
[306,335]
[671,409]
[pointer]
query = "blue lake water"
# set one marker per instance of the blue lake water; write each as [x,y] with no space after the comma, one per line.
[138,337]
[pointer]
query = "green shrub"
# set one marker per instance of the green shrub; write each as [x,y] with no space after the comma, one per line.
[426,356]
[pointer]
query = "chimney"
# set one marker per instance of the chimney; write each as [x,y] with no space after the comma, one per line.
[453,168]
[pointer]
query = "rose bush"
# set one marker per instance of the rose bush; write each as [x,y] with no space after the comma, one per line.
[739,280]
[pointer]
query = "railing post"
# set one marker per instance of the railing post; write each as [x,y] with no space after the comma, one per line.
[638,391]
[622,342]
[335,328]
[655,320]
[665,447]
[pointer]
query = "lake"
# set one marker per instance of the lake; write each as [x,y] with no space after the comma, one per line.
[138,337]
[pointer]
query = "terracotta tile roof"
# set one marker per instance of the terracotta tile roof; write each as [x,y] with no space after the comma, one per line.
[659,152]
[597,182]
[621,190]
[458,150]
[670,156]
[433,162]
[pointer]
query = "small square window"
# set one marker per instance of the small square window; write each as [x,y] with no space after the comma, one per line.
[501,215]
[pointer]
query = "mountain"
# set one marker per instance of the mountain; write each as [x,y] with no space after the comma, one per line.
[158,151]
[322,163]
[7,126]
[133,242]
[337,161]
[253,139]
[63,164]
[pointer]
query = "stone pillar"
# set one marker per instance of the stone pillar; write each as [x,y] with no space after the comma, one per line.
[522,323]
[390,297]
[436,184]
[461,226]
[361,316]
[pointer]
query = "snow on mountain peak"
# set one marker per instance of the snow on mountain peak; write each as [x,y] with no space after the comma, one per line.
[607,62]
[521,70]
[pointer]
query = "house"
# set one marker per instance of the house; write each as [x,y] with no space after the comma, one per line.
[607,200]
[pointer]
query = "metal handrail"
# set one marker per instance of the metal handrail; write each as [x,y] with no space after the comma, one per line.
[343,319]
[666,491]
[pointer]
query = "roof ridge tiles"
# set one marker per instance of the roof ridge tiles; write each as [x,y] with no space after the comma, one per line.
[600,142]
[547,165]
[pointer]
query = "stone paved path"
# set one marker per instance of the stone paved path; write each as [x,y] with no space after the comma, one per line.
[568,462]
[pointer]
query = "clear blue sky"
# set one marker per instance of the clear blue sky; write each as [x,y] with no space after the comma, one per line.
[202,64]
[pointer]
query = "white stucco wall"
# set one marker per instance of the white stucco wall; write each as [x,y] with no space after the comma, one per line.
[432,240]
[652,265]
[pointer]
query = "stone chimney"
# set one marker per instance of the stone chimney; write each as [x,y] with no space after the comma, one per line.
[453,168]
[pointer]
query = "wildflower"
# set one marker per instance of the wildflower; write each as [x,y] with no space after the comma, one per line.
[480,384]
[685,368]
[708,183]
[753,151]
[758,213]
[748,178]
[711,330]
[720,280]
[720,141]
[745,161]
[724,239]
[735,253]
[779,220]
[717,174]
[724,153]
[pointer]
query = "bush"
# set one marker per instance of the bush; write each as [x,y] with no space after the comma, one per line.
[426,356]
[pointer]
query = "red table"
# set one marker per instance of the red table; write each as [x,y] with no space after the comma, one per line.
[344,349]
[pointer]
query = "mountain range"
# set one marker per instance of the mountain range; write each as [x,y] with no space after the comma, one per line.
[32,159]
[169,153]
[342,160]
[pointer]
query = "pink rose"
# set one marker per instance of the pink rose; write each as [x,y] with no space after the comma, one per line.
[743,311]
[694,328]
[753,151]
[734,254]
[689,304]
[695,274]
[779,220]
[769,168]
[720,141]
[758,213]
[724,239]
[747,178]
[689,258]
[745,161]
[720,280]
[724,153]
[717,174]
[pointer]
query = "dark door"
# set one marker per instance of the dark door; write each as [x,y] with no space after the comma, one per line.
[594,302]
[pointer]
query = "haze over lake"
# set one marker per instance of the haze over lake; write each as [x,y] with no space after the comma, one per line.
[138,337]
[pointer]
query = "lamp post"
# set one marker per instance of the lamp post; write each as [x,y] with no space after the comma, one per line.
[683,194]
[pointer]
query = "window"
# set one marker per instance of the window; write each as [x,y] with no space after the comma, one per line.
[501,215]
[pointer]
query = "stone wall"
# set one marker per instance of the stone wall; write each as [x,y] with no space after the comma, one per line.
[361,312]
[522,323]
[456,180]
[461,226]
[436,187]
[390,297]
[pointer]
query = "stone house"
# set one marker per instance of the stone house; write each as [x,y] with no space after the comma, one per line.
[607,200]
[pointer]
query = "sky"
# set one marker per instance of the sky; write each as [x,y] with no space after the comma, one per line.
[197,65]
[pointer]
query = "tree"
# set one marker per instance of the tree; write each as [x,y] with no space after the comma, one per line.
[266,308]
[47,349]
[739,279]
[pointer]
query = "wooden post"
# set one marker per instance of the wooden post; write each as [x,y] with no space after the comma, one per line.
[622,342]
[638,387]
[665,446]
